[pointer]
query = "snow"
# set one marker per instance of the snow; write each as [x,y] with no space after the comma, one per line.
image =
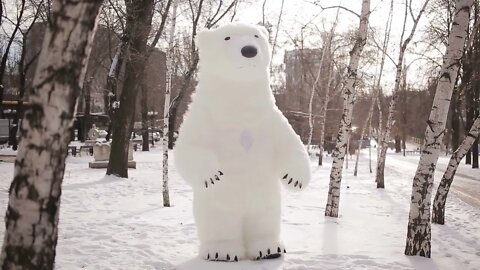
[113,223]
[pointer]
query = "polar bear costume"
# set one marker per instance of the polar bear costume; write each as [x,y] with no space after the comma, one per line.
[235,148]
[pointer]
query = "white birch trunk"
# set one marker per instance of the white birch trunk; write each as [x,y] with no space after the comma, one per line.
[323,117]
[310,104]
[34,203]
[370,144]
[166,107]
[380,124]
[386,40]
[364,127]
[393,103]
[310,110]
[438,213]
[326,48]
[419,227]
[331,208]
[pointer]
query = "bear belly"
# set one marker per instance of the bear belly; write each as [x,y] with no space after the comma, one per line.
[244,153]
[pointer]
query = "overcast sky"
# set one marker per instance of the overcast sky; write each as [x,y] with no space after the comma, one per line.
[297,13]
[300,12]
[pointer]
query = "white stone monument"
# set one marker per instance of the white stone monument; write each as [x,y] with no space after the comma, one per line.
[101,154]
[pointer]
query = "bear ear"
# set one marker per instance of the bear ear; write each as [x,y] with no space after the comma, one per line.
[263,30]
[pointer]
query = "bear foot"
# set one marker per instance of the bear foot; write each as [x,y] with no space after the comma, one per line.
[263,251]
[223,252]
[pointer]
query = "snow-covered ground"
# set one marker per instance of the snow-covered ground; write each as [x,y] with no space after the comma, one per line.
[112,223]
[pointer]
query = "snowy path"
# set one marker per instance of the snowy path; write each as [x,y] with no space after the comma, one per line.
[466,184]
[111,223]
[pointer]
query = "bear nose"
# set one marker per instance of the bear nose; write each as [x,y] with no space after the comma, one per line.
[249,51]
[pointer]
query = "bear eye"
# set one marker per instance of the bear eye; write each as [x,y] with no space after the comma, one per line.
[227,38]
[256,36]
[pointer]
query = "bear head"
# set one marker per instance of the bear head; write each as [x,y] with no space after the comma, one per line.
[237,52]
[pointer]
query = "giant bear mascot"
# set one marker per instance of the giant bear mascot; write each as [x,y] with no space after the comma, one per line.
[235,148]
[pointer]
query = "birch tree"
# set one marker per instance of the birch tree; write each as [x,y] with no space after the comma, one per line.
[323,112]
[340,150]
[166,108]
[33,209]
[393,103]
[419,227]
[377,89]
[438,212]
[326,51]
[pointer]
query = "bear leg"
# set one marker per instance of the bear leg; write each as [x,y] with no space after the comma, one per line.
[220,235]
[262,235]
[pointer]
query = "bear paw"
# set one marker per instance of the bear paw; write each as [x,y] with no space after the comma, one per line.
[216,178]
[293,183]
[263,251]
[223,252]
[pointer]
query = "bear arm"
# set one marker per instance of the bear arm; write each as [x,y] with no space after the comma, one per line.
[292,161]
[196,164]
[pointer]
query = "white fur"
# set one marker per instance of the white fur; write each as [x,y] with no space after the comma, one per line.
[234,126]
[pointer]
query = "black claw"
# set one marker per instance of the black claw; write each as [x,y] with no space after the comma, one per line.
[206,184]
[258,258]
[289,182]
[228,257]
[285,177]
[273,256]
[235,259]
[300,186]
[268,251]
[220,172]
[216,255]
[260,254]
[279,250]
[296,184]
[211,180]
[216,178]
[284,251]
[208,256]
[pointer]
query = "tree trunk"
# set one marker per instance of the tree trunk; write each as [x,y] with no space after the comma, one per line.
[340,150]
[323,117]
[455,122]
[112,79]
[138,25]
[475,155]
[144,112]
[370,144]
[33,208]
[364,127]
[87,89]
[393,103]
[166,107]
[476,113]
[404,111]
[419,227]
[469,104]
[379,100]
[438,213]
